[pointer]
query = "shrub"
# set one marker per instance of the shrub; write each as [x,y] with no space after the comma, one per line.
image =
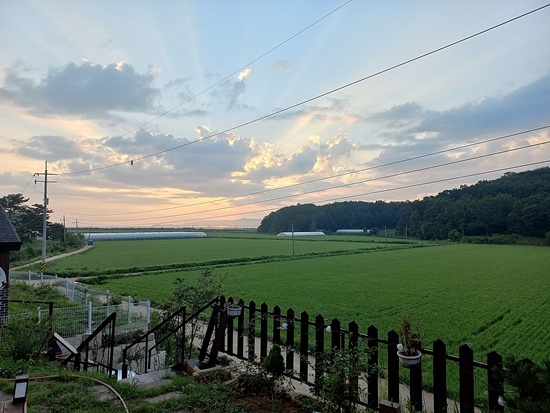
[24,338]
[531,383]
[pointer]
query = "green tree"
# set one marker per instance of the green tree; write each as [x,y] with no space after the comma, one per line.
[193,297]
[27,220]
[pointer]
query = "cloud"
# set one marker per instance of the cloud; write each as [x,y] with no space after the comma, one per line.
[230,90]
[282,65]
[398,116]
[410,130]
[51,148]
[524,108]
[244,74]
[84,90]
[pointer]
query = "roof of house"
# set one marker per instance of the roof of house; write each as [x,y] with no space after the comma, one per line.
[9,240]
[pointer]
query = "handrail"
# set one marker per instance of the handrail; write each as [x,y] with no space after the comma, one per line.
[110,318]
[157,327]
[165,321]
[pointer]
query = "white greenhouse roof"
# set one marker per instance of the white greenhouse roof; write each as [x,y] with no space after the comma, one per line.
[349,231]
[112,236]
[300,234]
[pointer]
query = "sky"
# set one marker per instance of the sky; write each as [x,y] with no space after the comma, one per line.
[215,113]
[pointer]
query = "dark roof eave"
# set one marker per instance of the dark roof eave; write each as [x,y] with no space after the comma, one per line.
[10,246]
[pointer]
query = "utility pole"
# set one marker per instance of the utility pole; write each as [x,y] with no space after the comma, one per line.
[292,239]
[45,212]
[64,231]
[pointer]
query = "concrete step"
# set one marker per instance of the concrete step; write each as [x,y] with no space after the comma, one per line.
[150,379]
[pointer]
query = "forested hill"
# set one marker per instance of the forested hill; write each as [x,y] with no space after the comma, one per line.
[516,203]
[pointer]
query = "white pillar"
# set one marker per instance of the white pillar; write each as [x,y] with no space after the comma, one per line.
[129,308]
[90,317]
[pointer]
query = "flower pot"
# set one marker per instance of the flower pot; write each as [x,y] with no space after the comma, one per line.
[407,361]
[234,311]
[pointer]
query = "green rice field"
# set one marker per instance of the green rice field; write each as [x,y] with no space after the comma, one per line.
[492,297]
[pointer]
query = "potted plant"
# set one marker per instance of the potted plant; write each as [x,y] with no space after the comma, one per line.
[408,350]
[233,306]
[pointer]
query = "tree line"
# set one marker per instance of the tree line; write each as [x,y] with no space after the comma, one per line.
[28,223]
[516,203]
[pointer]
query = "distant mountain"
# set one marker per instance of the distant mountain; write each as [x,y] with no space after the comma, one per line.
[516,203]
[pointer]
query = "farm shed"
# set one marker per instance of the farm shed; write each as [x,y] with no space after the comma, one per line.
[300,234]
[350,231]
[115,236]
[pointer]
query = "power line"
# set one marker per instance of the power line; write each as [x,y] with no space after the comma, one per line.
[313,98]
[350,184]
[217,83]
[28,183]
[382,190]
[456,148]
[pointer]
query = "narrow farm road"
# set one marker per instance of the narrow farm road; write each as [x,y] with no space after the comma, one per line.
[55,257]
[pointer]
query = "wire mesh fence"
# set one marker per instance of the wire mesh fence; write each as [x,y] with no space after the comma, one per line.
[90,309]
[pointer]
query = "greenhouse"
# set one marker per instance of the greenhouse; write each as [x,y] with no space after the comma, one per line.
[115,236]
[350,231]
[300,234]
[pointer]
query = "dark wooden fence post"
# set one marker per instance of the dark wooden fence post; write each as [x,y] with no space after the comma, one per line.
[182,326]
[209,331]
[277,325]
[223,305]
[415,375]
[440,376]
[263,332]
[393,367]
[353,346]
[319,350]
[240,334]
[496,387]
[372,373]
[290,340]
[335,334]
[251,333]
[466,379]
[304,345]
[230,334]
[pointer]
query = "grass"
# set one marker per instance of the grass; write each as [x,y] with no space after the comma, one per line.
[108,257]
[55,389]
[491,297]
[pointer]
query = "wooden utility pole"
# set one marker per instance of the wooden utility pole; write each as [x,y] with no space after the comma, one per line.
[292,239]
[45,213]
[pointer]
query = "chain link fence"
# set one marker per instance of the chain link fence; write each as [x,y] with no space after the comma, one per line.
[90,309]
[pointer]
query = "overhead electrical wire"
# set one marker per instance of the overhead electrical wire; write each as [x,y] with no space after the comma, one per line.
[398,174]
[160,222]
[464,39]
[221,81]
[456,148]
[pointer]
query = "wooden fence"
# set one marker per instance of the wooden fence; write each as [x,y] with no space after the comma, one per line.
[256,328]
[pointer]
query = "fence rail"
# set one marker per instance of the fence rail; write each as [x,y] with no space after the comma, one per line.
[308,342]
[93,306]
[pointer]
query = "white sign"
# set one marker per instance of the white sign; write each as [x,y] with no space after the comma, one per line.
[3,278]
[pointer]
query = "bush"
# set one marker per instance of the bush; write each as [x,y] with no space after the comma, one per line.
[24,338]
[531,383]
[498,239]
[10,368]
[455,235]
